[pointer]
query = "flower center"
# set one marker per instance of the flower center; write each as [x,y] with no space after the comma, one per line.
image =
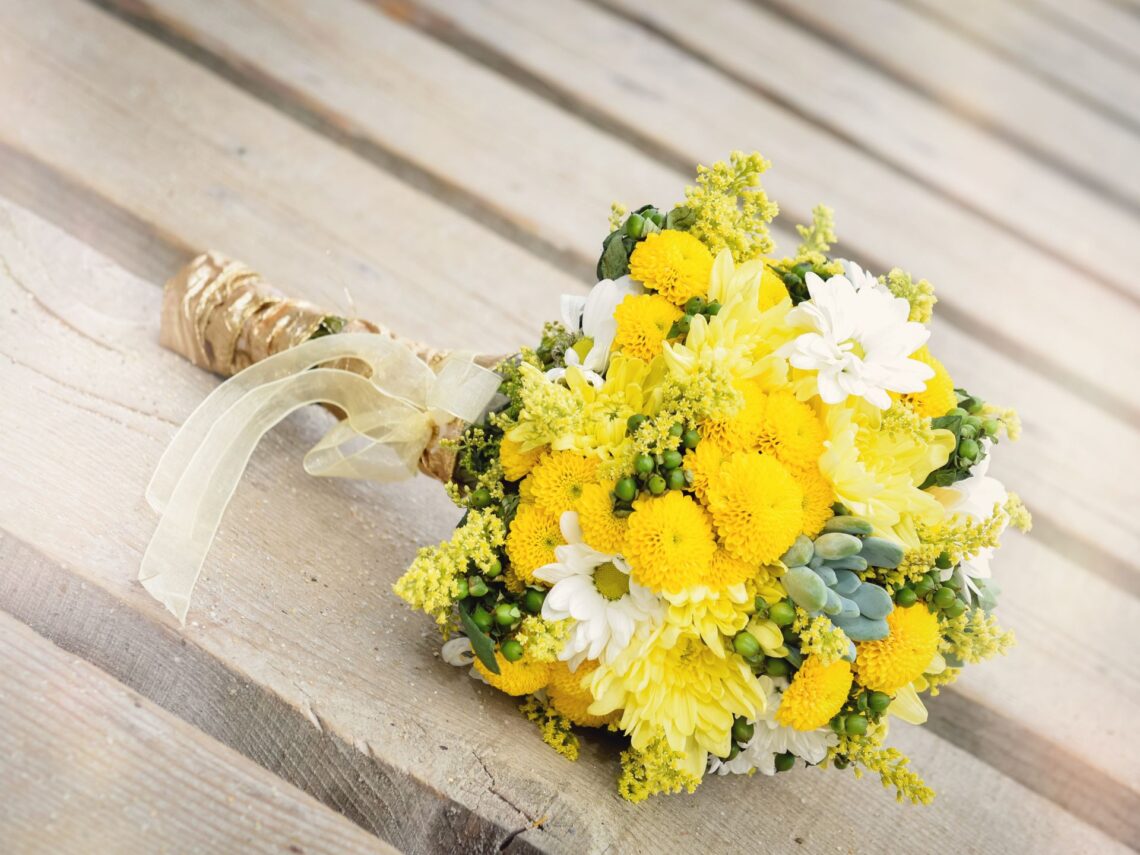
[610,581]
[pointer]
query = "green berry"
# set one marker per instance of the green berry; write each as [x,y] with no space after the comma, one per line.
[681,325]
[476,586]
[733,751]
[782,613]
[482,619]
[943,597]
[956,608]
[635,421]
[968,432]
[906,597]
[968,449]
[761,606]
[991,427]
[494,569]
[676,430]
[742,730]
[879,701]
[785,761]
[746,645]
[691,438]
[671,459]
[626,489]
[712,308]
[506,614]
[973,405]
[635,225]
[657,485]
[958,411]
[512,651]
[924,586]
[480,498]
[694,306]
[856,725]
[943,561]
[461,584]
[532,600]
[777,667]
[644,464]
[675,479]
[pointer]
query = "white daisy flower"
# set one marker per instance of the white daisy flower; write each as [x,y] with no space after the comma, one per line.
[594,589]
[593,316]
[859,340]
[771,738]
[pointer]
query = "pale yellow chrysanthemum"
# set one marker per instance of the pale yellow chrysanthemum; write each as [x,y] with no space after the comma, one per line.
[669,682]
[558,480]
[704,463]
[756,506]
[938,398]
[523,677]
[516,462]
[531,540]
[904,655]
[711,614]
[772,289]
[600,528]
[669,543]
[818,499]
[816,694]
[643,322]
[743,430]
[673,263]
[570,695]
[791,431]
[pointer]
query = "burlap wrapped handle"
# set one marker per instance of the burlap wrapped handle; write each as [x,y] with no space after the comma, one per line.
[223,317]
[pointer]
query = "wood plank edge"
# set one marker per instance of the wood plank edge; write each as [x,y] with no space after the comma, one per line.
[90,622]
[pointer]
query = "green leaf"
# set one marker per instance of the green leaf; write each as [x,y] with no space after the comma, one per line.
[481,643]
[614,262]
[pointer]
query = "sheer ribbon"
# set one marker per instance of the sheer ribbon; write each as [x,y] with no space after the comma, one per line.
[391,417]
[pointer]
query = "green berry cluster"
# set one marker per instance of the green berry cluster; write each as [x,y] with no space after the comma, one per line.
[860,712]
[945,597]
[655,473]
[795,278]
[695,306]
[969,426]
[619,244]
[496,611]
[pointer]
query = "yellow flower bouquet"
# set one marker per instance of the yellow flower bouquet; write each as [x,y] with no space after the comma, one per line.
[730,507]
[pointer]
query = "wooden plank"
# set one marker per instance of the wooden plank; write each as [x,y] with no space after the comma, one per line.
[1054,51]
[876,113]
[987,89]
[90,766]
[1104,25]
[886,220]
[1080,498]
[295,602]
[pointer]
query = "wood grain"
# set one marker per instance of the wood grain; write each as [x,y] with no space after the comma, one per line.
[91,766]
[295,604]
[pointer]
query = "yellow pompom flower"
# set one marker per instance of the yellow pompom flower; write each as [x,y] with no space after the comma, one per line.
[559,478]
[816,694]
[938,398]
[516,462]
[818,499]
[669,543]
[531,540]
[643,322]
[570,695]
[669,682]
[772,289]
[791,431]
[600,528]
[726,570]
[743,430]
[673,263]
[904,655]
[756,506]
[704,463]
[523,677]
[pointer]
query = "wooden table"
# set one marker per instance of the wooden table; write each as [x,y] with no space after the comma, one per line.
[447,167]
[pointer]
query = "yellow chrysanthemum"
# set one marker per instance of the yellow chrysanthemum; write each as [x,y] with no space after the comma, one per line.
[516,462]
[726,570]
[904,655]
[600,528]
[816,694]
[744,430]
[559,479]
[711,614]
[791,431]
[643,322]
[772,289]
[673,263]
[704,463]
[818,499]
[523,677]
[570,695]
[669,543]
[671,683]
[756,506]
[938,398]
[530,543]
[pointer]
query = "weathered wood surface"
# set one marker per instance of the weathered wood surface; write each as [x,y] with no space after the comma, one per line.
[420,155]
[90,766]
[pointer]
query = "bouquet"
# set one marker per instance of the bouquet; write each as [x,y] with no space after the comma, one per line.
[731,506]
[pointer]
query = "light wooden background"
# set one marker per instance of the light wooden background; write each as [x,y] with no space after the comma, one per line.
[447,167]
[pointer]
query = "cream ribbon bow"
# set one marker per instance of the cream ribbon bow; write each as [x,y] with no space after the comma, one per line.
[391,416]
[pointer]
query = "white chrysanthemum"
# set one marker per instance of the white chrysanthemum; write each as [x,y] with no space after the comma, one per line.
[593,316]
[771,738]
[861,278]
[974,497]
[594,589]
[858,342]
